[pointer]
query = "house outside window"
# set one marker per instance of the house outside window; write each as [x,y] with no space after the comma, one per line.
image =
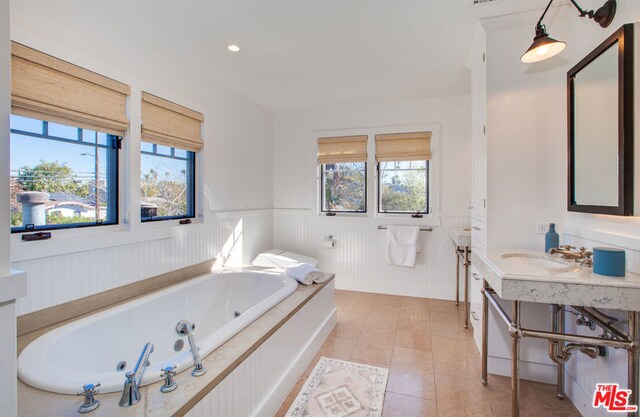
[61,176]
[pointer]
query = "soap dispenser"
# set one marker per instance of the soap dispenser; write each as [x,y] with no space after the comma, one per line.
[551,239]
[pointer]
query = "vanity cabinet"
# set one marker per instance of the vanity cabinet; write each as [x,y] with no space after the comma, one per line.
[475,304]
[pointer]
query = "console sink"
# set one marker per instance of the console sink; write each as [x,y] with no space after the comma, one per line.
[538,261]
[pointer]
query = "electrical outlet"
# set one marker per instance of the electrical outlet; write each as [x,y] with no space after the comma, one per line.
[543,228]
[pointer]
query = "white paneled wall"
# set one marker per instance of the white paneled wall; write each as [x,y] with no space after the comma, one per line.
[233,238]
[261,382]
[585,373]
[359,257]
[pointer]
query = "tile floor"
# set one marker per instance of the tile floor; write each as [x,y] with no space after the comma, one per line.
[433,361]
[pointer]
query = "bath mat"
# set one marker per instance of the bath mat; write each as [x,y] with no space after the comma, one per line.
[339,389]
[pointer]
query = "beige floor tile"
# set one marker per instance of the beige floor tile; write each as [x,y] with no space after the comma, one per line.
[349,324]
[443,306]
[414,334]
[385,317]
[383,300]
[411,373]
[338,348]
[433,362]
[414,308]
[360,303]
[397,405]
[375,345]
[456,357]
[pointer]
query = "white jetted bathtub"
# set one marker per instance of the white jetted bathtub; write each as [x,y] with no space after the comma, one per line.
[94,349]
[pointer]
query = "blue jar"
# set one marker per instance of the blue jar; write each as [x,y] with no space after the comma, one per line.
[551,239]
[609,261]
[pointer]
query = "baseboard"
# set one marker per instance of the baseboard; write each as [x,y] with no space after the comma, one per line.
[532,371]
[288,380]
[581,399]
[392,288]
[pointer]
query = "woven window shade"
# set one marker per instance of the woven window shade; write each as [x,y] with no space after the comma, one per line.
[403,147]
[47,88]
[342,149]
[170,124]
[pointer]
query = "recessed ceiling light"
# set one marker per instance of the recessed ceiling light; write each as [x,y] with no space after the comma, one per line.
[233,48]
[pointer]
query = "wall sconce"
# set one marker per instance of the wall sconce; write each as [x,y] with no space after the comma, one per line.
[544,46]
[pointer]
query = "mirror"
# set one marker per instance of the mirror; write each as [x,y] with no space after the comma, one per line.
[600,93]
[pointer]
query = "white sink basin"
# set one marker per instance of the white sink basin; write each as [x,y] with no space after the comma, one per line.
[538,261]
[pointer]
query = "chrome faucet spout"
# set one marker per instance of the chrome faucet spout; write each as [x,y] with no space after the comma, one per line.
[185,328]
[131,392]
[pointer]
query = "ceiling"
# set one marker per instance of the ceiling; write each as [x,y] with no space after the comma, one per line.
[296,54]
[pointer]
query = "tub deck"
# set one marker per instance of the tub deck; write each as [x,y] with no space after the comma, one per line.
[36,403]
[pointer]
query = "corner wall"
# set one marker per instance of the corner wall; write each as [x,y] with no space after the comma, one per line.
[234,196]
[359,256]
[527,161]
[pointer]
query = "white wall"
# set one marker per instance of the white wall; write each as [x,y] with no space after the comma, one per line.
[527,168]
[5,91]
[234,182]
[358,258]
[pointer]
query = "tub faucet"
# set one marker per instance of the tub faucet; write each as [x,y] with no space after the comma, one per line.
[131,392]
[185,328]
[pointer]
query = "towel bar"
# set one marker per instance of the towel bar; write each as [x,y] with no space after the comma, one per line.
[422,229]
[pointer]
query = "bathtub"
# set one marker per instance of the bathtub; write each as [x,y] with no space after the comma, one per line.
[102,347]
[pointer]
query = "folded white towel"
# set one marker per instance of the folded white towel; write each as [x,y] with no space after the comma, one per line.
[403,244]
[305,274]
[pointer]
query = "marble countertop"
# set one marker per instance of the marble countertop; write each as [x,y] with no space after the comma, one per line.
[570,284]
[461,236]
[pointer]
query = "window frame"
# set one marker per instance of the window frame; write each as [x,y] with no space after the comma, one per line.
[113,156]
[366,195]
[427,191]
[191,177]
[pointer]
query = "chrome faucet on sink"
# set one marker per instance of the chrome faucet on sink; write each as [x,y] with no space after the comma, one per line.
[583,257]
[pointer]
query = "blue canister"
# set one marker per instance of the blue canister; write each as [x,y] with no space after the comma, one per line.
[609,261]
[551,239]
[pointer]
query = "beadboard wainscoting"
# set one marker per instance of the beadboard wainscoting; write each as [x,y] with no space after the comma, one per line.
[584,373]
[233,238]
[261,382]
[359,256]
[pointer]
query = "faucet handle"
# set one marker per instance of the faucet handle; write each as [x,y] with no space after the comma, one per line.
[90,403]
[169,384]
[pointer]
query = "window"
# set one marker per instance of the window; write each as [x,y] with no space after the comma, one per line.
[403,172]
[344,187]
[343,174]
[61,176]
[167,182]
[403,187]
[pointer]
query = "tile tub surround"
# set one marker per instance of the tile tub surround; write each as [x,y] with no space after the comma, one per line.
[434,365]
[222,362]
[575,285]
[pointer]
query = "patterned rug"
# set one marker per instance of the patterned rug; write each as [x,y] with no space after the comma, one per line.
[338,389]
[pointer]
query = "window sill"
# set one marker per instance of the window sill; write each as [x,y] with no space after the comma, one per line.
[69,241]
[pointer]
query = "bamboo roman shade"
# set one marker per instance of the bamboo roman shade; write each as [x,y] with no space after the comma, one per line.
[342,149]
[47,88]
[403,147]
[170,124]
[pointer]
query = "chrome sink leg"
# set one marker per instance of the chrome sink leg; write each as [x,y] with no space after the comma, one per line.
[559,328]
[485,333]
[515,359]
[634,360]
[457,276]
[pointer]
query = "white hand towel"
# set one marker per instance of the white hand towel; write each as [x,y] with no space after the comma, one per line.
[403,244]
[303,273]
[320,277]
